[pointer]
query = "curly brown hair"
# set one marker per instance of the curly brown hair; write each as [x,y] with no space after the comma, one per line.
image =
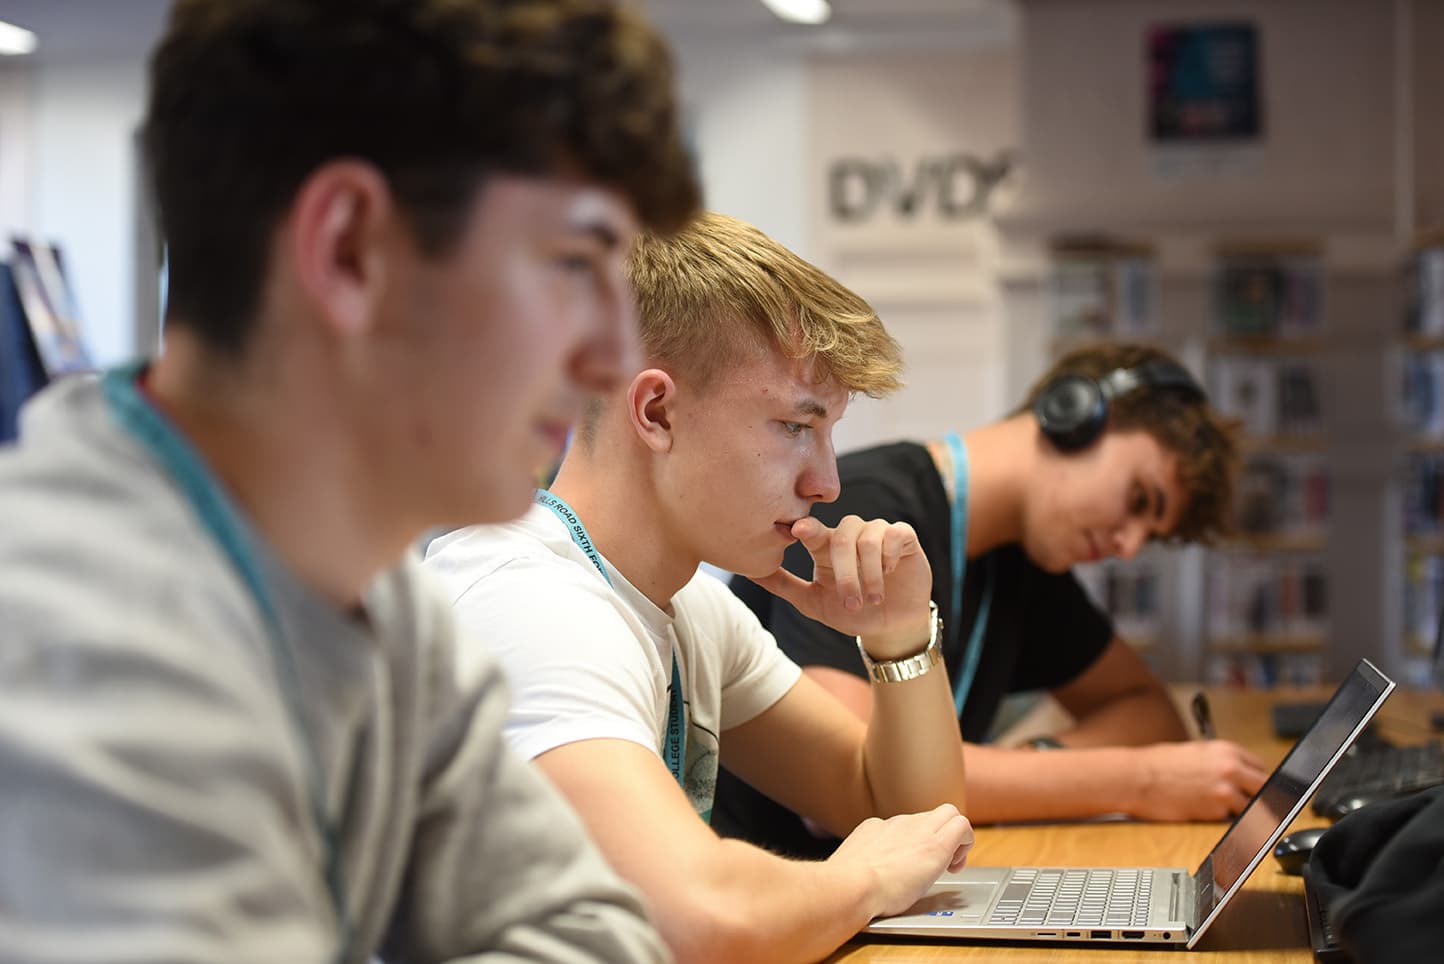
[1205,441]
[720,285]
[248,97]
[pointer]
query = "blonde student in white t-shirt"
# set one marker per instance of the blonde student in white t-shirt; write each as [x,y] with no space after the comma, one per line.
[634,673]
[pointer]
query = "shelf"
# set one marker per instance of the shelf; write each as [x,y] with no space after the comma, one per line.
[1424,545]
[1274,542]
[1280,345]
[1268,643]
[1060,345]
[1248,248]
[1416,645]
[1417,342]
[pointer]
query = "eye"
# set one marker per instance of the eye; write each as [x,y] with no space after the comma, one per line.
[794,429]
[1137,500]
[574,263]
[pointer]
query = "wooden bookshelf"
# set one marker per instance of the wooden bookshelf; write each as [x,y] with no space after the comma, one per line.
[1268,643]
[1275,542]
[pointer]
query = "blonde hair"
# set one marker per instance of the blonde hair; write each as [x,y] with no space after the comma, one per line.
[720,287]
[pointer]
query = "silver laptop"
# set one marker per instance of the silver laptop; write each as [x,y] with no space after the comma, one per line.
[1160,905]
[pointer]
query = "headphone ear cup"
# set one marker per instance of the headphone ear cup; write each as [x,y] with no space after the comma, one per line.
[1071,412]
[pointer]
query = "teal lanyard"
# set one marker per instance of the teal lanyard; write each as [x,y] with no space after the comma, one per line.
[675,746]
[186,469]
[974,652]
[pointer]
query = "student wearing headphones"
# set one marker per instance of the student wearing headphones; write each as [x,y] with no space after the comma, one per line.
[1115,446]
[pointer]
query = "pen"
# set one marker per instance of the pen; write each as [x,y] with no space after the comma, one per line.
[1202,716]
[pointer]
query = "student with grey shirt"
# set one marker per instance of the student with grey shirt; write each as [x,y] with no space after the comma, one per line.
[231,727]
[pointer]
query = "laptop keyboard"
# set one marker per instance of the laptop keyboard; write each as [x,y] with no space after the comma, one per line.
[1379,771]
[1049,897]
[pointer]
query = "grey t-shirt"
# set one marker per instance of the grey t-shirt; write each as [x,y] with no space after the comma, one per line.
[153,789]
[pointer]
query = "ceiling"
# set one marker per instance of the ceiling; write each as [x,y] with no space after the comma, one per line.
[110,29]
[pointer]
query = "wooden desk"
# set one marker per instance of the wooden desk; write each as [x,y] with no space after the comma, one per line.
[1263,923]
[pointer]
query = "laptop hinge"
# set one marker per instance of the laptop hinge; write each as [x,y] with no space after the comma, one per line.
[1203,896]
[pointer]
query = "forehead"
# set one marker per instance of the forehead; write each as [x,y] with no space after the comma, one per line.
[508,204]
[766,374]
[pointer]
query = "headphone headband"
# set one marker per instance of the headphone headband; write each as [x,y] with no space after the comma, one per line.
[1072,410]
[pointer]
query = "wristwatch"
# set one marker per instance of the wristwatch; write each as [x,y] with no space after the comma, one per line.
[907,667]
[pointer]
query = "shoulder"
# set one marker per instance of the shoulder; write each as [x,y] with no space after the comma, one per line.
[463,558]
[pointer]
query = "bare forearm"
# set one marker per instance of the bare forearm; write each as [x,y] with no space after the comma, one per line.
[1144,716]
[913,759]
[754,906]
[1018,785]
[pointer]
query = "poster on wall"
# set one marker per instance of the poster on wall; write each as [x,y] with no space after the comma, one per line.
[39,276]
[1204,106]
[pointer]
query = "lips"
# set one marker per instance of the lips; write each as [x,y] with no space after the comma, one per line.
[1094,554]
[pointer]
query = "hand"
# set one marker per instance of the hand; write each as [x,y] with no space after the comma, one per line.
[869,579]
[907,853]
[1204,780]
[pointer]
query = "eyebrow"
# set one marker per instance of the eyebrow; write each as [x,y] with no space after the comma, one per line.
[810,406]
[605,234]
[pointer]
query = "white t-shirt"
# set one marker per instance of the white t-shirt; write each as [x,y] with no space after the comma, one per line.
[591,661]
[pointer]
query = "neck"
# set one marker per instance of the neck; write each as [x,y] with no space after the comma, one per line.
[1001,457]
[617,505]
[280,447]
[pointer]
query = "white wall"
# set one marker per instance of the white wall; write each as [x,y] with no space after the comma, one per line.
[83,189]
[930,276]
[15,141]
[747,107]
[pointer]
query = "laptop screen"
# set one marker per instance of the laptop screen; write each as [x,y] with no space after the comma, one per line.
[1288,788]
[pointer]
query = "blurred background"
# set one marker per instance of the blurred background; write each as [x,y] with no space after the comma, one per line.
[1255,186]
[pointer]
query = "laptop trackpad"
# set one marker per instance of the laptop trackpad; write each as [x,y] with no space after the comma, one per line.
[964,902]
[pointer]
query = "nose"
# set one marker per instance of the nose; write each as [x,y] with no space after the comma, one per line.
[1129,540]
[819,481]
[610,351]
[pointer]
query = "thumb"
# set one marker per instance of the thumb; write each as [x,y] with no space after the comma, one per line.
[785,585]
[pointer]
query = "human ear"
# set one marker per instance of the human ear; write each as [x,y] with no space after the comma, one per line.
[650,399]
[337,229]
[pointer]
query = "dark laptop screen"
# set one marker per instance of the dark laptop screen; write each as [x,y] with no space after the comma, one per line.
[1288,788]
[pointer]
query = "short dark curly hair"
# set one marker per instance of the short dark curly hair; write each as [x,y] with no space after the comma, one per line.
[1205,441]
[248,97]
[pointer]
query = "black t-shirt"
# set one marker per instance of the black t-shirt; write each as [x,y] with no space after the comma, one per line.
[1042,630]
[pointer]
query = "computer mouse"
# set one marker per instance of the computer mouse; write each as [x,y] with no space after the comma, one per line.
[1354,801]
[1294,849]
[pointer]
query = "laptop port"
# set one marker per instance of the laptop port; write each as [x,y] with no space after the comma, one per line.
[1047,933]
[1100,935]
[1132,935]
[1075,934]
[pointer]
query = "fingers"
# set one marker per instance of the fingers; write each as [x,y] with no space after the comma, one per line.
[843,560]
[1236,800]
[963,827]
[861,555]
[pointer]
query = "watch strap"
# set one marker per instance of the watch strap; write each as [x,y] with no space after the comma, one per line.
[904,668]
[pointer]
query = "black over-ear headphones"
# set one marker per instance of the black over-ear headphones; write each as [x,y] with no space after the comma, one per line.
[1072,410]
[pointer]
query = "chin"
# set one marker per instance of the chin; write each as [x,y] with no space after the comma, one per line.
[754,567]
[499,502]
